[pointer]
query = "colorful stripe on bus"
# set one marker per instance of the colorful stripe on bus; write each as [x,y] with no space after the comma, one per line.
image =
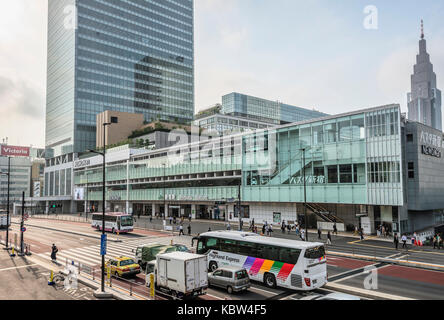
[261,266]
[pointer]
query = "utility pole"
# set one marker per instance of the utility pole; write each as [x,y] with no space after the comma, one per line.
[22,250]
[102,293]
[305,197]
[7,209]
[239,206]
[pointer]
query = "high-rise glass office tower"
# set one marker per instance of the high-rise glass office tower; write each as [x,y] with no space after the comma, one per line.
[124,55]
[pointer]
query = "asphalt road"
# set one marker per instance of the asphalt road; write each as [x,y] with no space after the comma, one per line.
[77,241]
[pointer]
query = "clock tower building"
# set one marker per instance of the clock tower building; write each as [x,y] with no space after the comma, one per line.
[424,101]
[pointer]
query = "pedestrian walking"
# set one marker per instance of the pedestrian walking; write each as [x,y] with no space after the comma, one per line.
[264,229]
[189,218]
[303,235]
[396,240]
[361,234]
[383,231]
[283,226]
[189,229]
[439,241]
[171,220]
[270,230]
[319,233]
[434,242]
[241,225]
[228,226]
[335,229]
[54,251]
[151,218]
[404,241]
[181,230]
[209,229]
[329,237]
[288,228]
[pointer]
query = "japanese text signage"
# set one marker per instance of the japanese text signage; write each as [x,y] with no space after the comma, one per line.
[431,144]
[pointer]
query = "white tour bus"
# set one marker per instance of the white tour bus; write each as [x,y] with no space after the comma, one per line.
[114,222]
[292,264]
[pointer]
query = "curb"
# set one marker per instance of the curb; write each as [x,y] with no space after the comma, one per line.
[68,231]
[405,263]
[364,292]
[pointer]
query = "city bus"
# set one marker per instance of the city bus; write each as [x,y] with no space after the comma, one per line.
[114,222]
[291,264]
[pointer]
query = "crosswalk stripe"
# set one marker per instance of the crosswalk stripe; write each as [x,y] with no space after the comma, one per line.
[77,258]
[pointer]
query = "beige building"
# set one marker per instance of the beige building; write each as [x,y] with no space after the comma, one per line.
[37,178]
[117,132]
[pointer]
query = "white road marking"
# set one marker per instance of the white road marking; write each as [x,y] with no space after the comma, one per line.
[21,267]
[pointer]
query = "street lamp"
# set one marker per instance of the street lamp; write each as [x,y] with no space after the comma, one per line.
[7,210]
[305,195]
[113,120]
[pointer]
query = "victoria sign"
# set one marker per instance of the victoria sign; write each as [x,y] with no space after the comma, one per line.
[15,151]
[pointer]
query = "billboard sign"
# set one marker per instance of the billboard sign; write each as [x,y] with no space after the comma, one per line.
[14,151]
[79,194]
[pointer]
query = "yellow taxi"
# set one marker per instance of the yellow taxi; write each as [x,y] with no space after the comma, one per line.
[122,266]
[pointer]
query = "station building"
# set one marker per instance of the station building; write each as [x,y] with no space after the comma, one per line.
[362,168]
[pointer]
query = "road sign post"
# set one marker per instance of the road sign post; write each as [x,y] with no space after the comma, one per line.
[103,245]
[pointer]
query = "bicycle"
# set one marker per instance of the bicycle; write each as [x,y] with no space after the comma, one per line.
[59,280]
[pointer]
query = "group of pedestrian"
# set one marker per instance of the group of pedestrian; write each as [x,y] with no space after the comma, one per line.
[383,231]
[267,229]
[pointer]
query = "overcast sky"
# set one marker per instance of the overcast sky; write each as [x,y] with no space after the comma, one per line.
[314,54]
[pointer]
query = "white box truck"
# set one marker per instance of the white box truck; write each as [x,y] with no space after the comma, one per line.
[179,274]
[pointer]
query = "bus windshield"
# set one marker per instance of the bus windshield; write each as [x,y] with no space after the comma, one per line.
[126,221]
[315,253]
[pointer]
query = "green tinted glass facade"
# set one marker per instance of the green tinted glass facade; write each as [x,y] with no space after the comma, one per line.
[353,159]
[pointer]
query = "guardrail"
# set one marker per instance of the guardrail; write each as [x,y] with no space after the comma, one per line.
[63,217]
[95,273]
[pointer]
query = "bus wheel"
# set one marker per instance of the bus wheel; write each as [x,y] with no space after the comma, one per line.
[213,266]
[270,280]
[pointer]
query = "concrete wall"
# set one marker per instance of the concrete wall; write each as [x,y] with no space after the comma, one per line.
[117,132]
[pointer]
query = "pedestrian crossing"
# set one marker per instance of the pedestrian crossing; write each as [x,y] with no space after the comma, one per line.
[90,255]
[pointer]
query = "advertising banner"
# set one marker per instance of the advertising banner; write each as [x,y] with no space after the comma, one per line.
[79,194]
[36,189]
[14,151]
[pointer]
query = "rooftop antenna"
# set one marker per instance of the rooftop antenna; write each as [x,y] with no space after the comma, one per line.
[422,29]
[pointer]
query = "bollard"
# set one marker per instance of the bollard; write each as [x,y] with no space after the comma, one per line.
[13,253]
[51,279]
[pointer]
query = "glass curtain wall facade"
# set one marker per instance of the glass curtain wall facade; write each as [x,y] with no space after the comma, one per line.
[349,159]
[353,159]
[274,112]
[130,56]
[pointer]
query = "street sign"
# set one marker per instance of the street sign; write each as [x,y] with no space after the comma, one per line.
[23,229]
[103,245]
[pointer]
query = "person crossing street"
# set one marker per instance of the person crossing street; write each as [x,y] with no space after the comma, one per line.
[404,241]
[396,240]
[54,251]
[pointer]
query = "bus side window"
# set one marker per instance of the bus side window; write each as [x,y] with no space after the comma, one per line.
[212,244]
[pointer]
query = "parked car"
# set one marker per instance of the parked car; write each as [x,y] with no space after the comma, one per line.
[122,266]
[331,296]
[233,279]
[182,248]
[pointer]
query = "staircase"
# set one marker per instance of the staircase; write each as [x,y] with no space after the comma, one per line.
[322,213]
